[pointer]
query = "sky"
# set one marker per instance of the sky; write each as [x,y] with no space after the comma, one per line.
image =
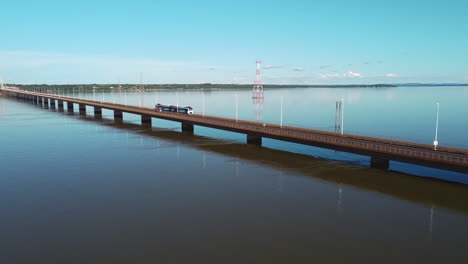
[298,42]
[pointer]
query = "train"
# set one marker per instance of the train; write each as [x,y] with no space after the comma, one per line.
[172,108]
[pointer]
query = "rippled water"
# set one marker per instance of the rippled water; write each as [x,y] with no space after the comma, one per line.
[74,189]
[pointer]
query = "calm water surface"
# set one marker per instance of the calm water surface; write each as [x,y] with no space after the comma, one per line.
[74,189]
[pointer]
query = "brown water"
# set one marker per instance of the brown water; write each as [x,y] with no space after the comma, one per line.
[78,190]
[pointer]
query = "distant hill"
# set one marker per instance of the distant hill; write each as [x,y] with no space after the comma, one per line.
[431,84]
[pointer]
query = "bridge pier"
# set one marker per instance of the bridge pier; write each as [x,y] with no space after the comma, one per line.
[146,120]
[46,102]
[379,163]
[97,112]
[82,108]
[118,116]
[187,127]
[70,106]
[254,139]
[52,103]
[60,105]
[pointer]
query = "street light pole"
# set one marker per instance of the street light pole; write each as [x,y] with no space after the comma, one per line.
[281,112]
[342,116]
[203,98]
[236,108]
[436,142]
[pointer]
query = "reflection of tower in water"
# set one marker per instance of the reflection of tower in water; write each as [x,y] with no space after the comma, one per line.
[257,94]
[258,103]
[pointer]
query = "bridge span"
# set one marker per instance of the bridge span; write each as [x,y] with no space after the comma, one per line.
[380,150]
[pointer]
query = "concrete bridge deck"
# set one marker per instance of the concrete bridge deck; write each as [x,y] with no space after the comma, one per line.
[380,150]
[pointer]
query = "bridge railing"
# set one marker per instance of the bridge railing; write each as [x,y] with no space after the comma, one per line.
[429,155]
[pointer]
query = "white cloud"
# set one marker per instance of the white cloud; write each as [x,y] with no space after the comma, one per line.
[298,69]
[352,74]
[39,59]
[466,77]
[54,67]
[267,67]
[329,75]
[348,74]
[391,75]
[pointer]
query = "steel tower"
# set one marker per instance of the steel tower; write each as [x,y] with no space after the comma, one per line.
[258,85]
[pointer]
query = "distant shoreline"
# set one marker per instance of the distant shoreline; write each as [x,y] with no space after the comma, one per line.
[206,86]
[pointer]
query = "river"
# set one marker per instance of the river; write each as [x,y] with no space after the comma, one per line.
[74,189]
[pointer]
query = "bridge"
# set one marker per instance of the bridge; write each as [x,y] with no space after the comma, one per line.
[380,150]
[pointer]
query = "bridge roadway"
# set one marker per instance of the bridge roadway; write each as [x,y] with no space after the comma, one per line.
[380,150]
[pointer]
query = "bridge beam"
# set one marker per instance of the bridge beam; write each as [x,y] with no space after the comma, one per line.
[118,116]
[70,106]
[254,139]
[187,127]
[379,163]
[146,120]
[82,108]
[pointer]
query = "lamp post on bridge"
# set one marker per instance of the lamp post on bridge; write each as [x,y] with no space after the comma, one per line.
[342,116]
[203,99]
[236,108]
[281,115]
[436,142]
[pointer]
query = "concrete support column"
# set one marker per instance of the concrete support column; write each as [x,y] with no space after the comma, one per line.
[118,116]
[146,120]
[35,99]
[60,104]
[40,100]
[70,106]
[97,112]
[379,163]
[254,139]
[46,102]
[187,127]
[52,103]
[82,108]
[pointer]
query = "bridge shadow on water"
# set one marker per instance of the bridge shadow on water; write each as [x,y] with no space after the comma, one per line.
[426,191]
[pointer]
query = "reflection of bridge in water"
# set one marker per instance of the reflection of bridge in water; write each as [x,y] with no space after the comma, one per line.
[380,150]
[394,184]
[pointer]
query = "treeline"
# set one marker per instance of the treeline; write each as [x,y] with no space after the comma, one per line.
[207,86]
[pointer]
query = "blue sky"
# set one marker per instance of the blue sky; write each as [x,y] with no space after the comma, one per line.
[299,42]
